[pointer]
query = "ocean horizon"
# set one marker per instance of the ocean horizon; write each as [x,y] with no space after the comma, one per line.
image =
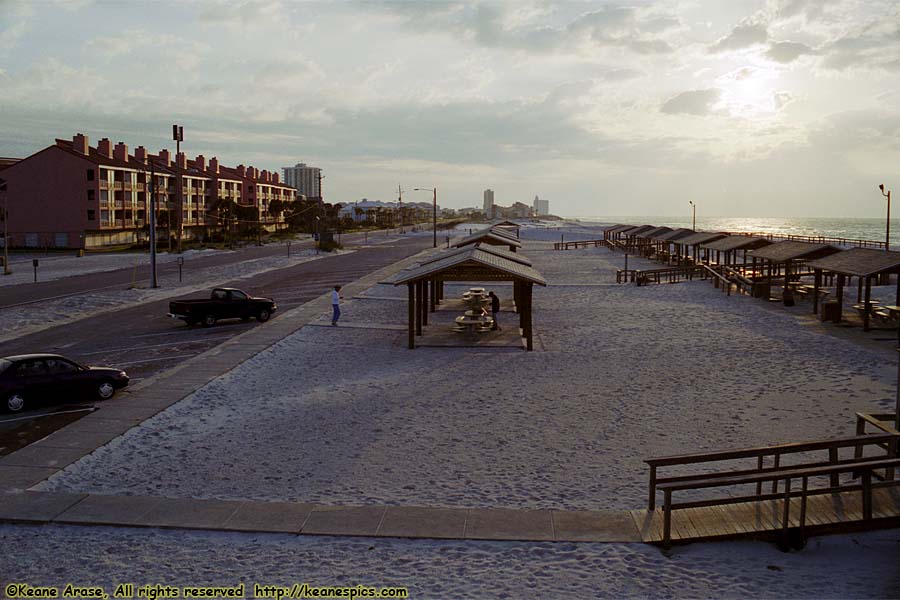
[841,227]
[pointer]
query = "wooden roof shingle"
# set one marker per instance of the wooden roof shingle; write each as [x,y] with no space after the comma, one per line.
[736,242]
[476,258]
[859,262]
[701,237]
[781,252]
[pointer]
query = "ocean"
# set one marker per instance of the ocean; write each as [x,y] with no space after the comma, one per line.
[861,229]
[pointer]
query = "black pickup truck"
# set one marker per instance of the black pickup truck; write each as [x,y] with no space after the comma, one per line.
[223,303]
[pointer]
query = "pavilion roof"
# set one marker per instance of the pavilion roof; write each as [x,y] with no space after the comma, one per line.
[495,250]
[637,230]
[859,262]
[736,242]
[651,233]
[489,237]
[786,250]
[701,237]
[474,264]
[506,224]
[503,232]
[618,228]
[675,234]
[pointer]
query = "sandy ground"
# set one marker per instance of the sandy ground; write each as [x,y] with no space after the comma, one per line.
[839,567]
[620,373]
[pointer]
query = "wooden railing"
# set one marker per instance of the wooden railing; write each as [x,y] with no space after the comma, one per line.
[833,467]
[812,239]
[667,275]
[582,244]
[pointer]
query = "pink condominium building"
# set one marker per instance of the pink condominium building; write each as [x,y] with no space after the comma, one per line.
[72,195]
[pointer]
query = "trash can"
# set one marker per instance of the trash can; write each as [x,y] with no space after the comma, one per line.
[831,311]
[80,253]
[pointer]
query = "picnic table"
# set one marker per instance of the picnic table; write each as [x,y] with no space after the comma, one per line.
[470,323]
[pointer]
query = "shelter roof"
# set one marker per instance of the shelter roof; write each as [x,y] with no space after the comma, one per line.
[477,260]
[784,251]
[489,237]
[736,242]
[860,262]
[638,229]
[495,250]
[618,228]
[675,234]
[503,232]
[701,237]
[650,233]
[506,224]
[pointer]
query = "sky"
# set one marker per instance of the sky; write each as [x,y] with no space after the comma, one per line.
[763,108]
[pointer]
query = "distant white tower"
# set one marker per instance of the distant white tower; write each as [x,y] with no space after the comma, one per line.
[304,179]
[541,207]
[489,203]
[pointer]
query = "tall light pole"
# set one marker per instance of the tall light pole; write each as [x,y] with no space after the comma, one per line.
[151,192]
[887,227]
[434,214]
[694,216]
[178,136]
[6,270]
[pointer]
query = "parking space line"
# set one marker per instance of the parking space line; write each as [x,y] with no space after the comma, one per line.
[158,358]
[195,341]
[61,412]
[188,330]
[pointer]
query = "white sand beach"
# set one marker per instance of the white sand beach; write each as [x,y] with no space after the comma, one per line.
[348,415]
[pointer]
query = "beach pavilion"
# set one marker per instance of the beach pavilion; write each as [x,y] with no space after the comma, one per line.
[507,227]
[690,245]
[730,246]
[490,237]
[645,240]
[614,232]
[472,264]
[864,263]
[784,255]
[664,241]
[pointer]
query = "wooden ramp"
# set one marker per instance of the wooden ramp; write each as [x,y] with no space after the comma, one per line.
[826,512]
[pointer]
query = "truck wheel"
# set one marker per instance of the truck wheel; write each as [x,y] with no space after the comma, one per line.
[209,320]
[263,315]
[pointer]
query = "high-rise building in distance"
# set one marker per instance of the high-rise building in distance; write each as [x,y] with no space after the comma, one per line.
[489,203]
[541,207]
[304,179]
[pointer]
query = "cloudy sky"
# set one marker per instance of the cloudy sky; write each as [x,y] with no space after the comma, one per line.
[747,107]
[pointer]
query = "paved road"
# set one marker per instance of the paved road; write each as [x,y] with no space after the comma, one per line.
[123,278]
[144,341]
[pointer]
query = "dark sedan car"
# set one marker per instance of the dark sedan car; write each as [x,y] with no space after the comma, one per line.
[34,379]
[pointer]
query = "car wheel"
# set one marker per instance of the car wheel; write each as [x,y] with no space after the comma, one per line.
[263,315]
[15,402]
[106,390]
[209,320]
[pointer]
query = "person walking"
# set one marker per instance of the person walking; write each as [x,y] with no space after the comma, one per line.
[335,304]
[495,308]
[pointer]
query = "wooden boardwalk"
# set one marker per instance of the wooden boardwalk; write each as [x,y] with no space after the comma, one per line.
[832,512]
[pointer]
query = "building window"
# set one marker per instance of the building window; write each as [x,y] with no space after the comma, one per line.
[90,195]
[90,174]
[91,215]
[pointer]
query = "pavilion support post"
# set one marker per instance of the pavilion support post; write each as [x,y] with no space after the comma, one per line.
[868,304]
[840,297]
[529,333]
[817,283]
[419,289]
[433,295]
[859,290]
[424,301]
[412,315]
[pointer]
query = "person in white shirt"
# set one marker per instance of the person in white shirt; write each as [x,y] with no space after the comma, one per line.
[336,304]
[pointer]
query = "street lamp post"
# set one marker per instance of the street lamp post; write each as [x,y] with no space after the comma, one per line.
[152,202]
[317,234]
[434,214]
[694,215]
[6,270]
[887,226]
